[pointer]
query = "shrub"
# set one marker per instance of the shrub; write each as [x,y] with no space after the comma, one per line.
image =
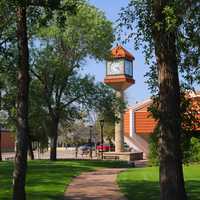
[195,150]
[190,149]
[153,148]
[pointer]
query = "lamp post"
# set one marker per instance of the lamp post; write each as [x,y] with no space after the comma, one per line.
[101,126]
[90,141]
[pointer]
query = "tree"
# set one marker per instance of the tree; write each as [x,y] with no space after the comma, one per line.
[38,118]
[65,48]
[75,133]
[22,107]
[63,95]
[23,86]
[168,29]
[108,107]
[189,125]
[109,129]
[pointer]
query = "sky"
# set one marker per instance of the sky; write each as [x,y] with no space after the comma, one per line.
[139,90]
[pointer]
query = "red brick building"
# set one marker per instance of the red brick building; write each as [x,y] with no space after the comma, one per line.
[7,141]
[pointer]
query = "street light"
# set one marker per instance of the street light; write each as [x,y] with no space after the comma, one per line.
[90,141]
[101,121]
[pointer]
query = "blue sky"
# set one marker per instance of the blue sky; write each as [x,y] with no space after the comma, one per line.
[138,91]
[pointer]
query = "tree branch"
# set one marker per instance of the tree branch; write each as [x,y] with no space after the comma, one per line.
[71,101]
[44,3]
[36,75]
[54,5]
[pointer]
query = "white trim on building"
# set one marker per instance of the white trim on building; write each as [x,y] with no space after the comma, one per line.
[131,122]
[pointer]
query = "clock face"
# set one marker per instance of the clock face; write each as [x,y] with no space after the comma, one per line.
[115,67]
[128,68]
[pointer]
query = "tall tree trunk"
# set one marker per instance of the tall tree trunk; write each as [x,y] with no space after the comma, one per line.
[19,175]
[54,139]
[30,149]
[171,172]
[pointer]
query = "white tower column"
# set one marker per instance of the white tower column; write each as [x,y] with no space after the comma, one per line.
[119,128]
[132,123]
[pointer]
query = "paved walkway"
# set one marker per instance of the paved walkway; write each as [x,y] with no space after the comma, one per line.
[98,185]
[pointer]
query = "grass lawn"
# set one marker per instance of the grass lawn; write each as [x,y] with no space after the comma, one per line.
[142,183]
[46,180]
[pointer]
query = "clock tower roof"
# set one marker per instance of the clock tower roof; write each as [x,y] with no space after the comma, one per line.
[121,52]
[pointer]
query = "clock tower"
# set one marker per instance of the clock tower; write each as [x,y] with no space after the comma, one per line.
[119,75]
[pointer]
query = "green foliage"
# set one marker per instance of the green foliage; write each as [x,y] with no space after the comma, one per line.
[171,19]
[153,149]
[195,150]
[58,91]
[39,122]
[190,149]
[88,33]
[138,21]
[109,126]
[107,104]
[190,122]
[65,42]
[109,130]
[62,34]
[74,133]
[152,79]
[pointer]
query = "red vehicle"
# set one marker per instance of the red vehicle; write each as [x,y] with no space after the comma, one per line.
[105,148]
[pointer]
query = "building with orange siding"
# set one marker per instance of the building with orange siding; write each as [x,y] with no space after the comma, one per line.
[139,125]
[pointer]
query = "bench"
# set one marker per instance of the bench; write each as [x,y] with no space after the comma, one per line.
[85,152]
[111,157]
[9,158]
[126,156]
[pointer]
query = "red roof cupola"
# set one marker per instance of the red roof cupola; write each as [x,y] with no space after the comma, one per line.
[120,52]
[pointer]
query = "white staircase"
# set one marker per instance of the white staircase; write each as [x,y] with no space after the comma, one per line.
[138,144]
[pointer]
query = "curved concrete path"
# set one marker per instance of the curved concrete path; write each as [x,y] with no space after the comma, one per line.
[97,185]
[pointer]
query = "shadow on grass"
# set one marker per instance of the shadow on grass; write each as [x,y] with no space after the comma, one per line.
[193,189]
[5,180]
[100,163]
[142,190]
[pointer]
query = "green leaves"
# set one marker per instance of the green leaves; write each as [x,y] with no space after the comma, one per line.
[62,34]
[88,33]
[139,23]
[170,18]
